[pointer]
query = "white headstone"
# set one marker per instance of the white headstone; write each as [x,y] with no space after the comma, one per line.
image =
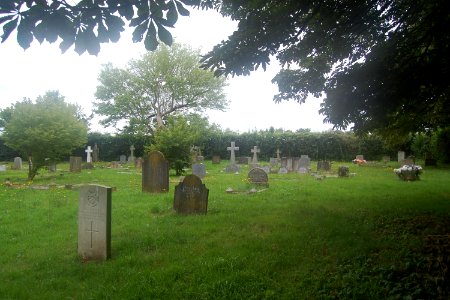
[401,156]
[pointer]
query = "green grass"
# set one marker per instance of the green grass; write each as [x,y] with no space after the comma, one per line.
[366,237]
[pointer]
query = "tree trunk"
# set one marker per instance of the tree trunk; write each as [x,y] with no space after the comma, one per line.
[32,169]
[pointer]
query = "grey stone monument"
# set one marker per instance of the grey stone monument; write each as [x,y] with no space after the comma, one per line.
[199,169]
[122,159]
[258,176]
[138,163]
[131,158]
[17,163]
[88,152]
[216,159]
[94,222]
[255,152]
[343,171]
[95,153]
[155,173]
[75,164]
[232,168]
[2,168]
[401,156]
[191,196]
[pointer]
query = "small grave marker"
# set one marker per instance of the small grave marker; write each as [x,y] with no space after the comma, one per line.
[17,163]
[122,159]
[216,159]
[94,222]
[258,176]
[75,164]
[400,156]
[199,169]
[191,196]
[95,153]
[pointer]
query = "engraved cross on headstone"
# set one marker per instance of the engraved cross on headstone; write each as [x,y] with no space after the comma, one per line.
[91,230]
[255,150]
[233,157]
[278,154]
[88,151]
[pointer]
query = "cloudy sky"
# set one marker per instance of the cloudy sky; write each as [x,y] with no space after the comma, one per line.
[40,68]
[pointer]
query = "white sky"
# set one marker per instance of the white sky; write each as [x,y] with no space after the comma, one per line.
[40,68]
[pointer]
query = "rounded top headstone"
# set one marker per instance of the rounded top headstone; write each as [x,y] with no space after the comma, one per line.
[192,180]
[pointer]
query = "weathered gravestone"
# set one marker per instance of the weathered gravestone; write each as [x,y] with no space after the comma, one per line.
[400,156]
[258,176]
[273,161]
[75,164]
[17,163]
[95,153]
[304,164]
[52,167]
[323,165]
[94,222]
[386,159]
[289,164]
[155,173]
[191,196]
[199,169]
[343,171]
[255,152]
[216,159]
[409,161]
[138,163]
[232,168]
[243,160]
[122,159]
[2,168]
[282,170]
[278,155]
[359,157]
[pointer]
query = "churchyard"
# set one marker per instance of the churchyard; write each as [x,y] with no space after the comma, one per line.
[302,235]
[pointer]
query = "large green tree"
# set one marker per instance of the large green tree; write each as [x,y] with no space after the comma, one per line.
[381,64]
[161,83]
[45,131]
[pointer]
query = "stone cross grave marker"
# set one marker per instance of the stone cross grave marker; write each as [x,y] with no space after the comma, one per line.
[232,168]
[401,156]
[258,176]
[131,158]
[94,222]
[155,173]
[278,154]
[199,169]
[255,152]
[95,153]
[17,163]
[75,164]
[191,196]
[88,152]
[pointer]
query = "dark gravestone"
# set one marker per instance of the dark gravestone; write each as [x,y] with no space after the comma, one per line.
[258,176]
[75,164]
[155,173]
[216,159]
[324,165]
[94,222]
[343,171]
[191,196]
[199,169]
[243,160]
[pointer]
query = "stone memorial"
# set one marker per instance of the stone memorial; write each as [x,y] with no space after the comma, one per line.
[191,196]
[199,169]
[400,156]
[359,157]
[88,153]
[282,170]
[2,168]
[323,165]
[17,163]
[278,155]
[131,158]
[75,164]
[216,159]
[343,171]
[273,161]
[122,159]
[94,222]
[232,168]
[258,176]
[155,173]
[95,153]
[52,167]
[304,163]
[255,152]
[243,160]
[138,163]
[289,164]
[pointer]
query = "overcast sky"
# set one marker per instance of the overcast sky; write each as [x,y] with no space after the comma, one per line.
[40,68]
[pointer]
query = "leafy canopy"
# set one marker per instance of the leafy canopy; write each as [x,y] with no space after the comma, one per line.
[45,131]
[159,84]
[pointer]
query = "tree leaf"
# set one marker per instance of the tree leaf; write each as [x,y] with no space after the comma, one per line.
[126,10]
[164,35]
[40,32]
[138,33]
[66,43]
[8,28]
[24,35]
[6,18]
[181,9]
[172,14]
[151,42]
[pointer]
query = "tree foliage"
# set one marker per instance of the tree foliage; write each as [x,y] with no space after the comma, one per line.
[156,86]
[382,64]
[175,139]
[45,131]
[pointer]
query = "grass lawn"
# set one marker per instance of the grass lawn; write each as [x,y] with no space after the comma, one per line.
[370,236]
